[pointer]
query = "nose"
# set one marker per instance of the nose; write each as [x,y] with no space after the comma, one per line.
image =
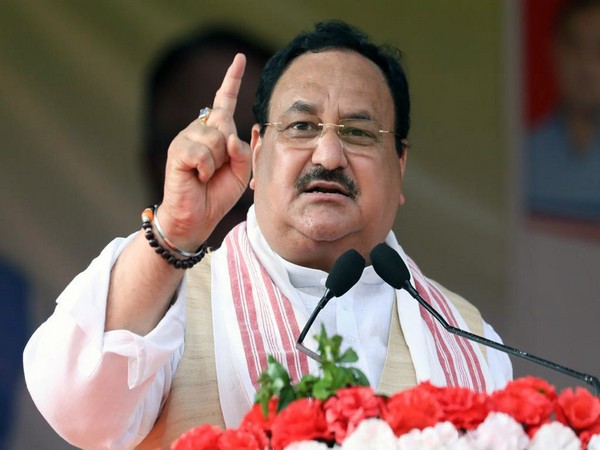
[329,149]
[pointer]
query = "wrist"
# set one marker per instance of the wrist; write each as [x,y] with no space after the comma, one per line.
[174,234]
[164,247]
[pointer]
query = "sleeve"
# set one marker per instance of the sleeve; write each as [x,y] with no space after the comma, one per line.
[97,389]
[499,362]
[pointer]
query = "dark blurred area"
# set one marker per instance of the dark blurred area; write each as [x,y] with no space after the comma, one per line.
[185,78]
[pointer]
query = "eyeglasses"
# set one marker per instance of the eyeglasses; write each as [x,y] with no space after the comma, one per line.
[357,135]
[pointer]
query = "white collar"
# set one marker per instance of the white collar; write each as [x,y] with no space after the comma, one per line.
[294,274]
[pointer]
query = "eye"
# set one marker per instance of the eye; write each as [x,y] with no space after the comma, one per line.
[356,132]
[303,126]
[301,129]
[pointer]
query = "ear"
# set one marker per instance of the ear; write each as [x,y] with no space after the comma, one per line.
[402,163]
[255,145]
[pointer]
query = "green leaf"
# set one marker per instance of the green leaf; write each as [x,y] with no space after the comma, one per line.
[335,373]
[349,356]
[286,397]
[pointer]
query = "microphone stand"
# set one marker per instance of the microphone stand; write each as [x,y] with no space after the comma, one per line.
[589,379]
[299,343]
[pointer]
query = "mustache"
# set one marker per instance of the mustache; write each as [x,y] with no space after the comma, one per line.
[319,173]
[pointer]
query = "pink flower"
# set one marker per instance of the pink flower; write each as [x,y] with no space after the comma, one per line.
[350,406]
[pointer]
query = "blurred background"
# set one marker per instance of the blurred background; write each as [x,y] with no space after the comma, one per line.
[73,172]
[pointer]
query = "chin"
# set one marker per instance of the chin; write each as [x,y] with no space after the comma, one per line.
[326,232]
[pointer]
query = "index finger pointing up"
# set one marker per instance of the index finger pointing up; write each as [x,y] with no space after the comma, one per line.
[226,96]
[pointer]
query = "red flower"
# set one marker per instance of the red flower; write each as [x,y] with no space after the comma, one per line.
[529,401]
[586,435]
[255,419]
[413,408]
[537,384]
[259,434]
[204,437]
[579,410]
[301,420]
[238,440]
[463,407]
[349,407]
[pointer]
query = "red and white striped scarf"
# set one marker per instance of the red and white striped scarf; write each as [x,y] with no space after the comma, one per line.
[268,324]
[460,359]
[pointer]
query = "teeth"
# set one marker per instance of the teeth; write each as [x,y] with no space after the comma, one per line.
[326,191]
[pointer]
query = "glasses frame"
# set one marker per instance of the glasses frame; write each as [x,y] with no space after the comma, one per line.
[324,125]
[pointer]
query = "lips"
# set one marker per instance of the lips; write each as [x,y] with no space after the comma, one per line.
[319,180]
[326,187]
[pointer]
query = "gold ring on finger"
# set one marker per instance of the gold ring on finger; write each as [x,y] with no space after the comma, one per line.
[204,114]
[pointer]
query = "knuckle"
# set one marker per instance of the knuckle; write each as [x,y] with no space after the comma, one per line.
[201,155]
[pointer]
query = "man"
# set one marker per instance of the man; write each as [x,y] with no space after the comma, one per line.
[563,154]
[328,157]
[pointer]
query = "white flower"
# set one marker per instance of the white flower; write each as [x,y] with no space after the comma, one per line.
[499,431]
[439,437]
[462,443]
[555,436]
[307,445]
[594,443]
[372,434]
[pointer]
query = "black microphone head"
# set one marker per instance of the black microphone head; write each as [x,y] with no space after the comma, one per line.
[389,265]
[345,273]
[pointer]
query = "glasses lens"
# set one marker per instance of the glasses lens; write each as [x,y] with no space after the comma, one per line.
[362,133]
[357,135]
[303,132]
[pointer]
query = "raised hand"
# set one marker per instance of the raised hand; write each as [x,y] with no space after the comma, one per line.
[208,168]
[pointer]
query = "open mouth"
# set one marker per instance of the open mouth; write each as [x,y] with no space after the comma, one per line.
[322,187]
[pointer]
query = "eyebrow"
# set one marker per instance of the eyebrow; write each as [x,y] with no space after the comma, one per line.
[360,115]
[300,106]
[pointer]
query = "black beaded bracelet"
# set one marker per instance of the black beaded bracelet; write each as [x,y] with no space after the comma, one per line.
[147,218]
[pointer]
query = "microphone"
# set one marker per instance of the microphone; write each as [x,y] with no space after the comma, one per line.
[391,268]
[345,273]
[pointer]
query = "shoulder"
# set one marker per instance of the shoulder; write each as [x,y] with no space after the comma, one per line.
[469,312]
[458,301]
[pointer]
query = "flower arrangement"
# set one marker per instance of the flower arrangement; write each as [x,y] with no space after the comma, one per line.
[339,410]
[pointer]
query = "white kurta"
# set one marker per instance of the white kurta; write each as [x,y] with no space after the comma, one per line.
[104,390]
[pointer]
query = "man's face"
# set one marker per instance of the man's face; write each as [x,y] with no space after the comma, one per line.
[578,61]
[312,223]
